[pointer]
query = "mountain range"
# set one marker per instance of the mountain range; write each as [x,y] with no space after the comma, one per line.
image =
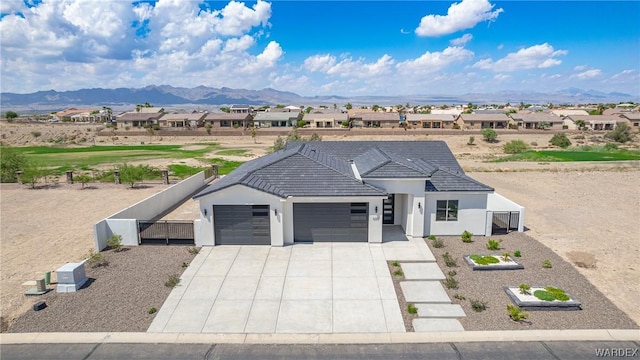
[167,96]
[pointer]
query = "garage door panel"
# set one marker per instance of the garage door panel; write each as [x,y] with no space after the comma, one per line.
[331,222]
[242,224]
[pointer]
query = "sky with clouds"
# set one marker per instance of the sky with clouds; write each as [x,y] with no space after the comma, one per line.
[312,48]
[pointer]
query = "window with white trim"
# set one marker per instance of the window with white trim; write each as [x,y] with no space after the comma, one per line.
[447,210]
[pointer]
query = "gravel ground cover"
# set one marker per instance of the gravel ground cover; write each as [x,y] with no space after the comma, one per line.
[117,298]
[597,312]
[397,276]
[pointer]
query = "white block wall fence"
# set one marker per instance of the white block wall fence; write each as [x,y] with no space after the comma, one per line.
[124,222]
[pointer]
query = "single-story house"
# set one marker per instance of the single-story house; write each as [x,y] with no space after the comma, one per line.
[533,120]
[375,119]
[346,191]
[451,111]
[182,120]
[569,112]
[81,115]
[599,122]
[483,121]
[633,118]
[228,120]
[138,119]
[276,119]
[325,120]
[431,121]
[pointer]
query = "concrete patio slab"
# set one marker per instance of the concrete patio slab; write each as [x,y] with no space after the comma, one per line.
[303,288]
[247,267]
[307,252]
[405,253]
[424,292]
[309,268]
[351,253]
[203,288]
[228,316]
[263,316]
[189,316]
[279,253]
[238,288]
[353,268]
[356,288]
[358,316]
[440,310]
[225,252]
[217,267]
[393,316]
[313,316]
[436,325]
[275,267]
[387,290]
[381,268]
[270,288]
[253,252]
[422,271]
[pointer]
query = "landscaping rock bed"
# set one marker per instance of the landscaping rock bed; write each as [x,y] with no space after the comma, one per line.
[117,297]
[477,287]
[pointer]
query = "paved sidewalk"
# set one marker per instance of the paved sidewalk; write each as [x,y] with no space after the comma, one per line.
[303,288]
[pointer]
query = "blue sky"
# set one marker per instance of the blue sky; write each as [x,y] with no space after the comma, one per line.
[312,48]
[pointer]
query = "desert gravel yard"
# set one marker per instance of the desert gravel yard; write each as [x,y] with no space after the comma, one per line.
[597,312]
[117,298]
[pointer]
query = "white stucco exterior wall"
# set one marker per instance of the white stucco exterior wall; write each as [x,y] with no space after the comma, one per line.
[411,192]
[497,202]
[472,214]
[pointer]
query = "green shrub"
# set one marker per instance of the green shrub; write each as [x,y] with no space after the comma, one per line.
[484,260]
[398,272]
[185,265]
[437,243]
[489,135]
[431,237]
[83,180]
[505,256]
[450,282]
[96,259]
[544,295]
[395,263]
[193,250]
[533,143]
[315,137]
[525,289]
[559,294]
[517,253]
[478,305]
[621,133]
[449,261]
[471,140]
[547,264]
[493,244]
[345,124]
[452,273]
[560,140]
[515,147]
[302,123]
[466,237]
[36,134]
[459,297]
[278,144]
[172,281]
[515,313]
[114,242]
[411,309]
[610,146]
[152,310]
[11,160]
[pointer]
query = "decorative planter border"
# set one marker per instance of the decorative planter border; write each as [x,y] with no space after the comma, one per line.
[537,304]
[511,265]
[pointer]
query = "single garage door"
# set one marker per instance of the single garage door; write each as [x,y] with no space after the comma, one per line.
[241,224]
[347,222]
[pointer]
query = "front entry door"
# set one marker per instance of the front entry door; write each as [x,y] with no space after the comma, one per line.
[387,209]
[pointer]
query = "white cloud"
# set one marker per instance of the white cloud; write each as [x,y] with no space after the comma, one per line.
[348,67]
[461,41]
[12,6]
[534,57]
[588,74]
[626,75]
[460,16]
[500,47]
[501,77]
[431,62]
[580,68]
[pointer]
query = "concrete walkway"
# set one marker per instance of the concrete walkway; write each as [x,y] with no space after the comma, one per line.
[304,288]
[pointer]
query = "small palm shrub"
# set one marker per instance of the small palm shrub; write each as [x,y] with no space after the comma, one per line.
[466,236]
[493,244]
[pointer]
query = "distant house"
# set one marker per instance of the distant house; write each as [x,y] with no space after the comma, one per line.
[82,115]
[569,112]
[431,121]
[599,122]
[228,120]
[375,120]
[325,120]
[138,119]
[150,110]
[483,121]
[292,109]
[182,120]
[633,118]
[276,119]
[533,120]
[240,109]
[454,111]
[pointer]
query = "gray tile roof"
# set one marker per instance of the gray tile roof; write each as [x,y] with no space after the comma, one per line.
[446,180]
[324,169]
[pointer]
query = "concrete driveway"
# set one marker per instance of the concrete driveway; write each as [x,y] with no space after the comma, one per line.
[303,288]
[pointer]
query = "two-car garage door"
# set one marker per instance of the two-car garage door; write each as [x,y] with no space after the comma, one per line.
[335,222]
[319,222]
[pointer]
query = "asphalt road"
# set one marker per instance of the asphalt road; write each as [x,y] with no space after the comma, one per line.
[579,350]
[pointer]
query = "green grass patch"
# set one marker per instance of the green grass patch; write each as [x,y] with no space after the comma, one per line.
[225,166]
[233,152]
[484,260]
[184,171]
[571,155]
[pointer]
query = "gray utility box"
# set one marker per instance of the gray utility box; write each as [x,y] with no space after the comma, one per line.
[71,277]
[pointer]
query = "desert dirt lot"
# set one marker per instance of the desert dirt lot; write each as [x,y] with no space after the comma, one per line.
[586,212]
